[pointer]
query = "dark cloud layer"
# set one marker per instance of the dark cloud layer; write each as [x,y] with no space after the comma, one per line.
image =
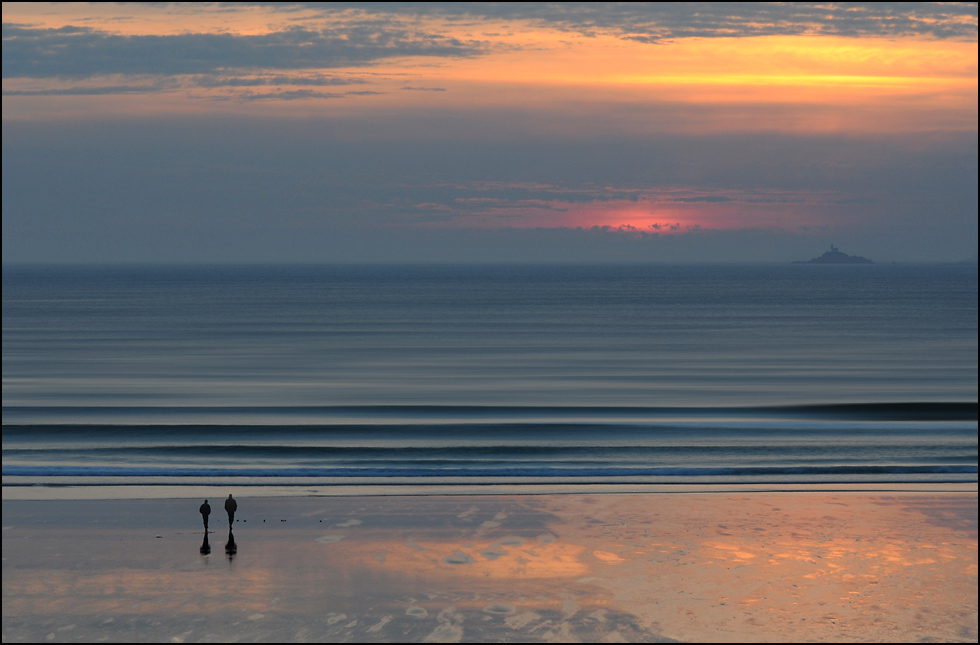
[313,80]
[81,52]
[657,21]
[242,85]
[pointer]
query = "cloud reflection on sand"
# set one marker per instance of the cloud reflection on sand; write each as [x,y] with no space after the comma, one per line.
[791,566]
[482,559]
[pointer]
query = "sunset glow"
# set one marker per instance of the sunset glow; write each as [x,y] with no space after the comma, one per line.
[591,322]
[627,108]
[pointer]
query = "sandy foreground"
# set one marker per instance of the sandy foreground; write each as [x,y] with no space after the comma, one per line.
[845,566]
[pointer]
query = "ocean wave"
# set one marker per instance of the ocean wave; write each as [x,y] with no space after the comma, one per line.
[287,415]
[529,473]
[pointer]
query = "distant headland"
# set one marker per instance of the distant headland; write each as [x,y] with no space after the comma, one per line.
[834,256]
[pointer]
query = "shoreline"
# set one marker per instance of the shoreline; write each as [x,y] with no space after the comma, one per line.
[29,492]
[884,565]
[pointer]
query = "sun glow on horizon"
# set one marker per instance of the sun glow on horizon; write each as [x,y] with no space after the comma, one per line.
[669,212]
[649,218]
[623,216]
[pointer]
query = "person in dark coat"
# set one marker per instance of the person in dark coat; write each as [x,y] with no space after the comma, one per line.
[205,511]
[231,506]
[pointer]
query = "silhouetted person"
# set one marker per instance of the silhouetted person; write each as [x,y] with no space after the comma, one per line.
[205,546]
[230,547]
[231,506]
[205,511]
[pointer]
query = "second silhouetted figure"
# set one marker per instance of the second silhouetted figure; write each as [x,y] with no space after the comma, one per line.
[231,506]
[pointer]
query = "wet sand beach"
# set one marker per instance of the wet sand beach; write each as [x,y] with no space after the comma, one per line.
[739,567]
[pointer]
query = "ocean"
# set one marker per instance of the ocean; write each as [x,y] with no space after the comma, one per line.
[300,376]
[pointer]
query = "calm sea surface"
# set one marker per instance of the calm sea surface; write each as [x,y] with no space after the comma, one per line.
[659,374]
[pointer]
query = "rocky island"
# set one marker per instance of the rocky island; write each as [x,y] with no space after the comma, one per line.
[834,256]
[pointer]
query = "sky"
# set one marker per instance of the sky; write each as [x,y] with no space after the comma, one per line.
[518,132]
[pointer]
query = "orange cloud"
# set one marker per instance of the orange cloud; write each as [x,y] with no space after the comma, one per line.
[794,83]
[589,86]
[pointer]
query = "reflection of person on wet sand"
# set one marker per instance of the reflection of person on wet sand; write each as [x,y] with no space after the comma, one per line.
[231,506]
[205,546]
[205,511]
[230,547]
